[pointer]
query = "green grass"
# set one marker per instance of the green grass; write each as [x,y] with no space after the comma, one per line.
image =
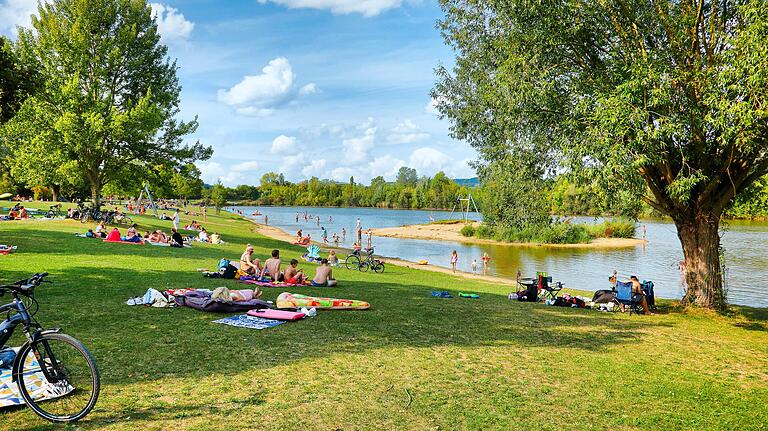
[410,362]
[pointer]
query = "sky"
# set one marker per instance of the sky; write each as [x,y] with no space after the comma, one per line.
[324,88]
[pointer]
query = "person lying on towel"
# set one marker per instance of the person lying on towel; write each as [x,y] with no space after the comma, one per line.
[293,274]
[243,295]
[324,275]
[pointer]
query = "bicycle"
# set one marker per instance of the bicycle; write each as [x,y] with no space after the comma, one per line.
[56,374]
[54,211]
[353,261]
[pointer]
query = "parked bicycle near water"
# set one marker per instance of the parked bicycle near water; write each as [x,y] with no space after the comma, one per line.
[354,261]
[56,375]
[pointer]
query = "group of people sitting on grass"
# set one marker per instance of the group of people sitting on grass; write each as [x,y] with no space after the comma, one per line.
[175,239]
[270,270]
[17,212]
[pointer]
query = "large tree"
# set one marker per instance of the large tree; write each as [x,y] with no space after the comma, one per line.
[110,95]
[664,97]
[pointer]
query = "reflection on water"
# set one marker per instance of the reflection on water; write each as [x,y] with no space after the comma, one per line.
[579,268]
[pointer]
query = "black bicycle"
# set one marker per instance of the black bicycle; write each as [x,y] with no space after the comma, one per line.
[54,211]
[56,375]
[354,261]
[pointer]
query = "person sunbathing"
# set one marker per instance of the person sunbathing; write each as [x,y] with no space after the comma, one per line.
[216,238]
[23,213]
[323,275]
[333,260]
[243,295]
[293,274]
[272,267]
[203,236]
[249,264]
[12,214]
[101,230]
[176,239]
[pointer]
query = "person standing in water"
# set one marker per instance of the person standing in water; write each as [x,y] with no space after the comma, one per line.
[343,234]
[318,220]
[454,260]
[369,235]
[297,216]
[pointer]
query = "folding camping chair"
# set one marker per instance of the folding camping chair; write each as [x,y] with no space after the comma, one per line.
[624,296]
[551,290]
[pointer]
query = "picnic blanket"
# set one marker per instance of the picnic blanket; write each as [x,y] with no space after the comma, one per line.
[294,300]
[40,389]
[124,242]
[271,283]
[250,322]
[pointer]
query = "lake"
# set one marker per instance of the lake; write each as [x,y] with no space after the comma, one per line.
[579,268]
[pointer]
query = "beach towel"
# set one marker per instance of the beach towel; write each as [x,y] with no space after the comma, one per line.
[123,242]
[6,249]
[40,388]
[250,322]
[294,300]
[268,313]
[270,283]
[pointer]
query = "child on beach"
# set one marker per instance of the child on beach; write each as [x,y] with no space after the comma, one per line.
[454,260]
[474,266]
[333,260]
[293,274]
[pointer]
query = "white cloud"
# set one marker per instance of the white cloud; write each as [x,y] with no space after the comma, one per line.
[429,161]
[367,8]
[308,89]
[212,172]
[406,133]
[314,169]
[171,24]
[16,12]
[356,149]
[246,166]
[261,94]
[283,144]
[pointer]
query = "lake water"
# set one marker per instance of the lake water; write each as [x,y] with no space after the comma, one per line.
[586,269]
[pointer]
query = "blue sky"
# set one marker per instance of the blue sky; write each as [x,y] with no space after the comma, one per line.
[326,88]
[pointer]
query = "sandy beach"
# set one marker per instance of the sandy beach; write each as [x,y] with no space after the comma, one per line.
[450,232]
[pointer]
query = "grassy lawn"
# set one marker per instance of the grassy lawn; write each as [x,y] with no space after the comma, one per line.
[410,362]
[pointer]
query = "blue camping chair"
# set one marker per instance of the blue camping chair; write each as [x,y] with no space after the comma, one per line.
[624,296]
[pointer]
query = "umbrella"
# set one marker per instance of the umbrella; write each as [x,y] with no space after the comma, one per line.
[6,195]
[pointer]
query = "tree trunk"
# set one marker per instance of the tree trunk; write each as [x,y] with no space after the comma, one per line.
[55,192]
[700,239]
[96,194]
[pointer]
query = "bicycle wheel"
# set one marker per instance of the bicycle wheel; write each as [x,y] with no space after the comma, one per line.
[84,218]
[352,262]
[378,267]
[364,265]
[59,380]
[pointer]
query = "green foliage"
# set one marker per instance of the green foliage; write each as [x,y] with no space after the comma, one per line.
[467,230]
[110,96]
[617,228]
[407,176]
[438,192]
[218,196]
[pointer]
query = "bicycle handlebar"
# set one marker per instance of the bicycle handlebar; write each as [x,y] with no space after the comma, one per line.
[26,286]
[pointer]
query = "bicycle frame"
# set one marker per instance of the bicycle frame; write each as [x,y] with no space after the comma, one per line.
[9,325]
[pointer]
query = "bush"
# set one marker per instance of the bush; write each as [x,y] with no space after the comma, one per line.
[467,230]
[612,229]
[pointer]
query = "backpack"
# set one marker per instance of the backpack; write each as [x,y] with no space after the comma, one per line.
[223,263]
[228,272]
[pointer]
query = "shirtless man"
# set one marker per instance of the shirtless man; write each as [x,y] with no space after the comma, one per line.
[272,267]
[324,275]
[293,275]
[248,264]
[637,289]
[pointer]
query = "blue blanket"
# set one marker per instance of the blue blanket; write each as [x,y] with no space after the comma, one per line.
[250,322]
